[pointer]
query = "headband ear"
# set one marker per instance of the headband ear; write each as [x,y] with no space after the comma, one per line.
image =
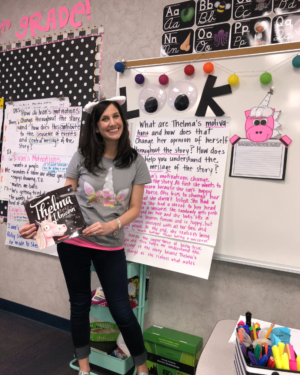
[90,106]
[119,99]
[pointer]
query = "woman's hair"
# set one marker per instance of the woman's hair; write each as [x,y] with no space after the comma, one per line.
[91,144]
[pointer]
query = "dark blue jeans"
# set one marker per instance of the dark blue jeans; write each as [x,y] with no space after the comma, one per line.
[111,269]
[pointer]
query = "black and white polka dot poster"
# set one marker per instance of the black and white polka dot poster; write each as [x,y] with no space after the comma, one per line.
[3,211]
[68,67]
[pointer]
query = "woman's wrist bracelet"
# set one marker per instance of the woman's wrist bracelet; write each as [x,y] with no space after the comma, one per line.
[119,225]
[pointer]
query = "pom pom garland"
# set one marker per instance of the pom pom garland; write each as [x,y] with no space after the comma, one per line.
[296,61]
[139,79]
[265,78]
[119,67]
[233,80]
[208,67]
[189,70]
[163,79]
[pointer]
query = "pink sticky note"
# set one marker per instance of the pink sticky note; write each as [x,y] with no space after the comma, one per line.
[285,140]
[233,140]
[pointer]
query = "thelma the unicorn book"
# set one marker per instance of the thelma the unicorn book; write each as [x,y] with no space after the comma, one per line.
[57,216]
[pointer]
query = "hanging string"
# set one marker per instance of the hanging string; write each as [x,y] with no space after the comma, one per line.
[283,62]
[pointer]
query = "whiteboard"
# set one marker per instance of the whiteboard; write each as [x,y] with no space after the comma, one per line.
[259,218]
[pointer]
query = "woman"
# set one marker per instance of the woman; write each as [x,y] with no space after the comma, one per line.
[108,176]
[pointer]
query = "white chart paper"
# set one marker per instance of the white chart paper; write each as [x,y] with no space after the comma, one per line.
[186,158]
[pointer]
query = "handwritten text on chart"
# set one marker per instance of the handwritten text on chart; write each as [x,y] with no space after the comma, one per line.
[14,238]
[31,175]
[192,259]
[38,130]
[186,159]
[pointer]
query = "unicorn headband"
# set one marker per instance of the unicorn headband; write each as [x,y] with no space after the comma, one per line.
[90,106]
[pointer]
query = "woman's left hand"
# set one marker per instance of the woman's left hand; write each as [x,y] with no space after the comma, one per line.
[98,229]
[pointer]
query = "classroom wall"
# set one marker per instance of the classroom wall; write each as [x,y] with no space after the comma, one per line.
[132,30]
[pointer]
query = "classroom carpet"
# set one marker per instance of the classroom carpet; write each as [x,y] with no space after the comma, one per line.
[31,348]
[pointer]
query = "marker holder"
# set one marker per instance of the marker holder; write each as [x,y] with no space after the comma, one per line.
[242,368]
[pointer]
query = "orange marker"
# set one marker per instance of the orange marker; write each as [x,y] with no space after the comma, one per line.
[241,337]
[287,350]
[270,330]
[266,348]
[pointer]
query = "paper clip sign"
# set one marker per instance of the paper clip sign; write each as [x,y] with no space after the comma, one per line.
[55,167]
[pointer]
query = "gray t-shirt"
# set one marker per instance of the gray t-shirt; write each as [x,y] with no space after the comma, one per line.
[105,197]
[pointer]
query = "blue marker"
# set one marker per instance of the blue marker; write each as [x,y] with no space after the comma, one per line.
[263,360]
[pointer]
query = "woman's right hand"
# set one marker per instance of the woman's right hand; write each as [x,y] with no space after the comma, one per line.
[28,231]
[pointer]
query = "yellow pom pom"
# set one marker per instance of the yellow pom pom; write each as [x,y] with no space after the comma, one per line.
[233,80]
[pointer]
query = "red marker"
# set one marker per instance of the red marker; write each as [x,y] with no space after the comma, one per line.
[271,362]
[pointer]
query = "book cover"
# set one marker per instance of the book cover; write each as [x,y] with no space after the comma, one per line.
[57,216]
[103,347]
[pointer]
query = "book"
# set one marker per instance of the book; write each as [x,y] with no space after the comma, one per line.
[57,215]
[103,347]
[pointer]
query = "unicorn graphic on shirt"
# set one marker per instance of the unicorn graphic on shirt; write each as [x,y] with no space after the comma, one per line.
[107,196]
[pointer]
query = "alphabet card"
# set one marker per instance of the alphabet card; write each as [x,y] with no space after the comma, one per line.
[251,33]
[212,38]
[286,28]
[57,216]
[210,12]
[179,16]
[177,42]
[244,9]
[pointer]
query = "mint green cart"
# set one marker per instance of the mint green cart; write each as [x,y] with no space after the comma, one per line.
[102,313]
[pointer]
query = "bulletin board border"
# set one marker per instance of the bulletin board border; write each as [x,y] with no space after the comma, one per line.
[251,51]
[96,31]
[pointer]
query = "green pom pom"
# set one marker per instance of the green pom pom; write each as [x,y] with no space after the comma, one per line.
[296,61]
[265,78]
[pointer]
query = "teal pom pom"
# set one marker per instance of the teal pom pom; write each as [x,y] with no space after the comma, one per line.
[296,61]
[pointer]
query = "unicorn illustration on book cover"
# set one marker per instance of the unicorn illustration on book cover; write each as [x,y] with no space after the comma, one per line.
[47,230]
[261,124]
[107,196]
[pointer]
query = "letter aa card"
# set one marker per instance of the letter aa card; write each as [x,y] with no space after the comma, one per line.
[57,216]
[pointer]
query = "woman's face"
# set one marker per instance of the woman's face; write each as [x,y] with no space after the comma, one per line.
[110,124]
